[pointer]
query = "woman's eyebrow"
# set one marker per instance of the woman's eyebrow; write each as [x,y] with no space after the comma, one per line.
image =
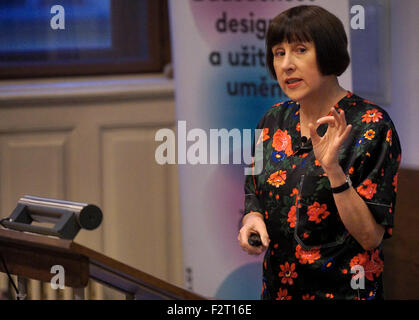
[292,45]
[276,47]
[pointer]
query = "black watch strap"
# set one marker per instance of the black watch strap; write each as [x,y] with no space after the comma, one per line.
[343,187]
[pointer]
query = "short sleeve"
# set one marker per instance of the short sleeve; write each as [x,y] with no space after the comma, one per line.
[377,173]
[251,191]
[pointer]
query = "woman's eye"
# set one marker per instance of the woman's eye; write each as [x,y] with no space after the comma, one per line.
[301,50]
[279,54]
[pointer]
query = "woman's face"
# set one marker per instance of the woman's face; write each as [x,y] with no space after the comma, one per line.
[297,70]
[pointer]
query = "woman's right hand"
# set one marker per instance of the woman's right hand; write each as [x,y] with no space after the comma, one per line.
[253,223]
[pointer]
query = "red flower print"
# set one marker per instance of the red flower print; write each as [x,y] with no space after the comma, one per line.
[389,137]
[372,116]
[297,198]
[292,218]
[349,94]
[329,295]
[278,104]
[308,297]
[360,259]
[283,295]
[367,189]
[372,265]
[294,192]
[307,256]
[370,134]
[278,178]
[375,265]
[317,212]
[287,273]
[263,136]
[395,181]
[351,170]
[282,142]
[298,127]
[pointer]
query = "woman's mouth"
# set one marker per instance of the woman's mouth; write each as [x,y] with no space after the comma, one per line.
[293,83]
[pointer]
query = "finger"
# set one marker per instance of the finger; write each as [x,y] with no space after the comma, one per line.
[265,239]
[330,120]
[315,138]
[345,134]
[243,238]
[244,235]
[253,250]
[342,116]
[337,117]
[343,121]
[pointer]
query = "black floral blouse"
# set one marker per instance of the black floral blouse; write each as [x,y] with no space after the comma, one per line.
[311,254]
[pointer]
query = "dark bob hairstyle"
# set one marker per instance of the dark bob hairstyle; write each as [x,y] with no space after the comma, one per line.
[311,24]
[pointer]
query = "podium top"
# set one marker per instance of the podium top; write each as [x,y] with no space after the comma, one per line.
[32,256]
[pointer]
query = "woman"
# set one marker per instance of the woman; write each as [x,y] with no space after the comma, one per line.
[325,199]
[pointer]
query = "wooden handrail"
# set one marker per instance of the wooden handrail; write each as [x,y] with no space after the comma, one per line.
[31,256]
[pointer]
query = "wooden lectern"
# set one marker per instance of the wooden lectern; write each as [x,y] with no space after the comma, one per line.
[31,256]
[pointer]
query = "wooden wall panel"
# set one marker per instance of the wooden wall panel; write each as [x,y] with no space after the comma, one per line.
[92,140]
[33,164]
[135,200]
[401,254]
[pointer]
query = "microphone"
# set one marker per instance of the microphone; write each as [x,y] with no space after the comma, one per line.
[66,217]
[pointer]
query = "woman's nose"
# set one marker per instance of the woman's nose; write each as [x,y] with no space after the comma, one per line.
[288,62]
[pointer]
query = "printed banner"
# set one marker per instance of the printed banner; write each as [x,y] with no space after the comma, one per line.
[221,82]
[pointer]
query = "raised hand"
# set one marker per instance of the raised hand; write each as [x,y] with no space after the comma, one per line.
[326,148]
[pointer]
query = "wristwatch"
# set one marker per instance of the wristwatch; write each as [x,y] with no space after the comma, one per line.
[344,186]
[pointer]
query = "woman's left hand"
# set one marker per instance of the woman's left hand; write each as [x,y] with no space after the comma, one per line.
[326,148]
